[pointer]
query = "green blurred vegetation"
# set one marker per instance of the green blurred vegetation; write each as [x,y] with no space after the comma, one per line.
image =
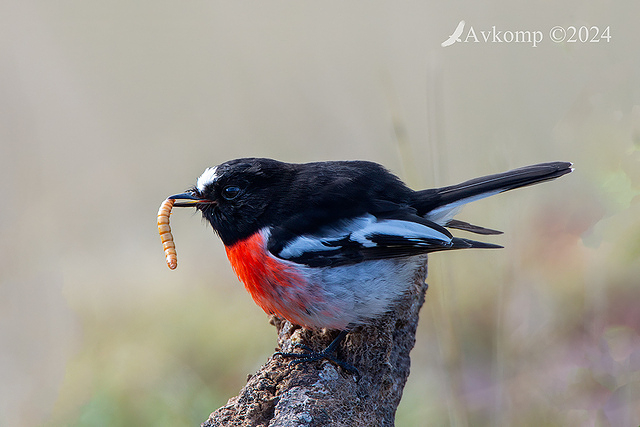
[107,108]
[165,366]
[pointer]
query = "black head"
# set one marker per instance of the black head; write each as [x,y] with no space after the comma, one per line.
[240,197]
[235,196]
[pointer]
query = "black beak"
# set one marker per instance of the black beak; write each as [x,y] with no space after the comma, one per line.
[190,200]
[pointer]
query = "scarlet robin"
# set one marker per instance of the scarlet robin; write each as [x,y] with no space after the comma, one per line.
[335,244]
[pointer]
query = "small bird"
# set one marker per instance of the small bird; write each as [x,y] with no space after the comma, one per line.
[335,244]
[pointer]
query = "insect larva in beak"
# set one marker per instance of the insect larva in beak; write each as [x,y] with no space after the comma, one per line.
[165,233]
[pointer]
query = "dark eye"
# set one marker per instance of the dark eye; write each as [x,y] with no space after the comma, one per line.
[230,192]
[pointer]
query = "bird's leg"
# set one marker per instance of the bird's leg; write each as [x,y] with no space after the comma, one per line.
[328,354]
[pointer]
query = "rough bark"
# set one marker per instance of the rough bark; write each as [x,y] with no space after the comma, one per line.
[322,394]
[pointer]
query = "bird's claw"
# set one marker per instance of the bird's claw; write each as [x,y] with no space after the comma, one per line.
[312,356]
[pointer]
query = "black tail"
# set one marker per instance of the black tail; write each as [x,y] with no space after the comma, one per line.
[459,243]
[436,204]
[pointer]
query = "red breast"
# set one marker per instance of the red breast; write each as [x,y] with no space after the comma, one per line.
[274,284]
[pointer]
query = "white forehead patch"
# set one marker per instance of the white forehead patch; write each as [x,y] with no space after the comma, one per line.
[207,177]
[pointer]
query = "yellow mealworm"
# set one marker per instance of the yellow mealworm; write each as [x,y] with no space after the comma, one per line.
[165,233]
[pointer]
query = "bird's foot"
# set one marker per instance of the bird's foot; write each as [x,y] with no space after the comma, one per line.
[327,354]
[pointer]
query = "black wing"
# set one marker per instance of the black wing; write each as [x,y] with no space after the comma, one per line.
[368,237]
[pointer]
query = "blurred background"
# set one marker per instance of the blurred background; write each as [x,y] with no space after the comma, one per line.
[106,108]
